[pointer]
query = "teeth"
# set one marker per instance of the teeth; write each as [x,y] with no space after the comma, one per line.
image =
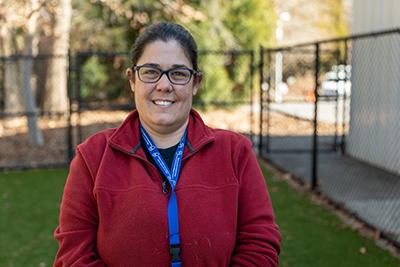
[163,103]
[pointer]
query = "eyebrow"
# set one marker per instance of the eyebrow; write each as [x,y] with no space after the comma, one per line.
[172,67]
[179,66]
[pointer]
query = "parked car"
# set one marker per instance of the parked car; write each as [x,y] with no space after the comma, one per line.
[336,81]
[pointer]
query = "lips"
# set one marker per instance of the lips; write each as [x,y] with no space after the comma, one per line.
[163,103]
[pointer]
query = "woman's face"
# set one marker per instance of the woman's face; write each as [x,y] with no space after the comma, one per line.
[163,107]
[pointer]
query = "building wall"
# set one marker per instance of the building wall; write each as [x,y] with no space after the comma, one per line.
[375,15]
[374,134]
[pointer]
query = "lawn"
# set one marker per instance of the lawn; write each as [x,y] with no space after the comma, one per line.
[29,205]
[312,235]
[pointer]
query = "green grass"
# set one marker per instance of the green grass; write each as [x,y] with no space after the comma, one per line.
[29,206]
[312,236]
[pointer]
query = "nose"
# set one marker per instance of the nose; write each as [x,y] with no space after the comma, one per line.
[164,83]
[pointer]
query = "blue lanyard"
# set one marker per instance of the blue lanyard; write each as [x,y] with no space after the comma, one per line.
[172,175]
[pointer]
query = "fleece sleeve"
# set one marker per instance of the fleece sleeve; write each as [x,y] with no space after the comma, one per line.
[76,232]
[258,237]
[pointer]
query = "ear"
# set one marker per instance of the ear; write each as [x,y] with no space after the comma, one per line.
[130,74]
[198,78]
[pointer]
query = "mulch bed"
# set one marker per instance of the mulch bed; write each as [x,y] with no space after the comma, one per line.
[17,149]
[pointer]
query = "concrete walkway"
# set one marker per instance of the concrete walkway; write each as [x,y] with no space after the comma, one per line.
[371,193]
[305,110]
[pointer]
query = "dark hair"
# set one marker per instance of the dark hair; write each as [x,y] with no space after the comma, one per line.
[165,32]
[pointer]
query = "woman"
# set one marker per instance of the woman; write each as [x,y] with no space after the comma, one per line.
[163,188]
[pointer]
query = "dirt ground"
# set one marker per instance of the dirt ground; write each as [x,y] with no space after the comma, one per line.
[17,149]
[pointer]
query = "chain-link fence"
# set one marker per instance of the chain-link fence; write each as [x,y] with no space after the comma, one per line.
[329,115]
[102,98]
[100,95]
[226,97]
[328,112]
[33,111]
[51,103]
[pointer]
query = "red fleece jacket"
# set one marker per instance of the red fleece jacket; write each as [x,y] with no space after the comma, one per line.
[114,213]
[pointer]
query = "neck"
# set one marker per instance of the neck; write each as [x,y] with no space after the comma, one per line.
[166,137]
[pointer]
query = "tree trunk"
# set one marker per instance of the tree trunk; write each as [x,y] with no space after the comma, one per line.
[52,71]
[19,99]
[34,130]
[13,83]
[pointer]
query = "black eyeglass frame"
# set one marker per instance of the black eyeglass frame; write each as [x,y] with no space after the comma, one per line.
[162,72]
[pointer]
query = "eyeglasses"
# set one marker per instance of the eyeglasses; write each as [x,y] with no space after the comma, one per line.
[152,74]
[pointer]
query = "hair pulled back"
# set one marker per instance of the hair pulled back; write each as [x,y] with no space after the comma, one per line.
[165,32]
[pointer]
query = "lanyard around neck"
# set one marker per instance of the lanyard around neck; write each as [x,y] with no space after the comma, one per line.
[172,175]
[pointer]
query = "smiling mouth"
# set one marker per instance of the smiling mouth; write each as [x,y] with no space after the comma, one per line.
[163,103]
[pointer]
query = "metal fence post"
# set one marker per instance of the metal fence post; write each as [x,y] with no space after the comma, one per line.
[343,143]
[314,161]
[2,93]
[78,69]
[269,101]
[337,98]
[70,152]
[251,95]
[261,74]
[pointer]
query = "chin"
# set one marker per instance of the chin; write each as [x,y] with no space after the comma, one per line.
[169,122]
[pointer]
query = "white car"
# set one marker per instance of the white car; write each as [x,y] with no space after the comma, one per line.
[336,82]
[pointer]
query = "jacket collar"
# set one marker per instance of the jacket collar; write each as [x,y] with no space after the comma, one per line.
[126,137]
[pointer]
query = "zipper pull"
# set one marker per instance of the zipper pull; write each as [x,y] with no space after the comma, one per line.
[164,187]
